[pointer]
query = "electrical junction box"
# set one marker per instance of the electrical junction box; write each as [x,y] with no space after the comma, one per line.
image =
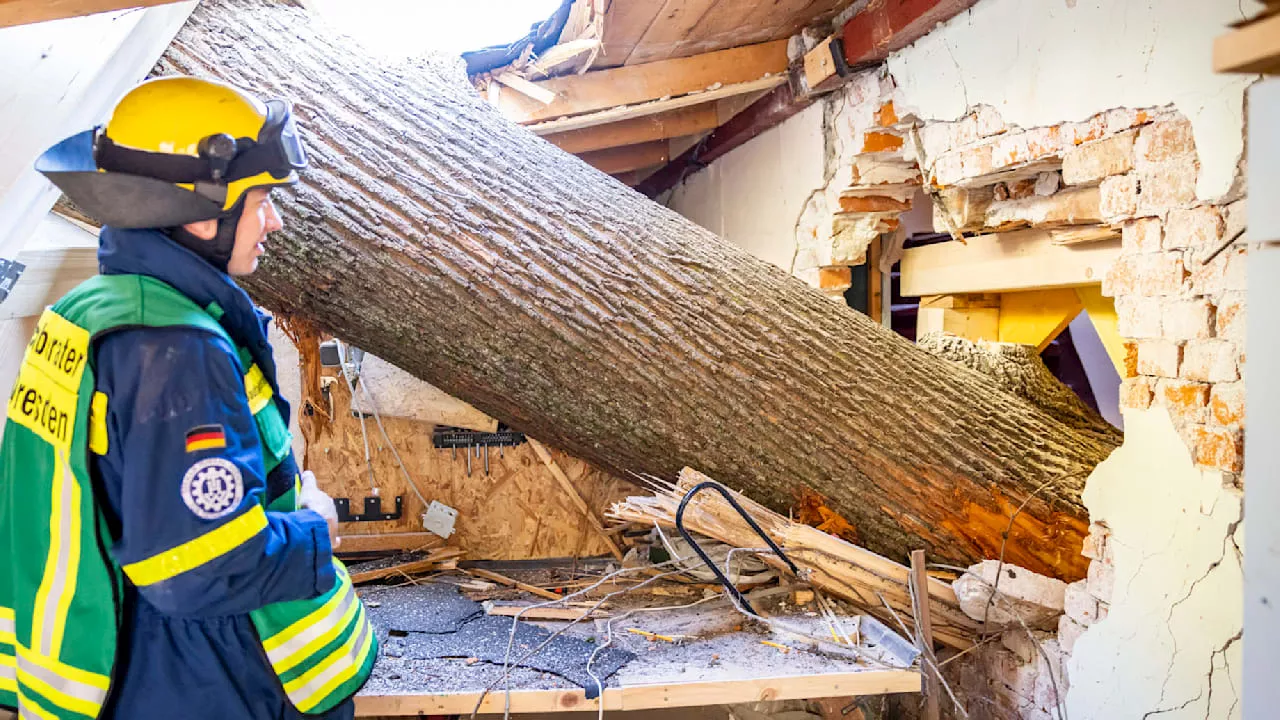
[439,519]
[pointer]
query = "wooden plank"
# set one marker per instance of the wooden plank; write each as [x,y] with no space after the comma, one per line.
[573,495]
[1254,48]
[629,157]
[969,323]
[387,542]
[601,89]
[625,22]
[23,12]
[1004,262]
[1036,317]
[510,582]
[820,67]
[435,560]
[924,635]
[657,106]
[65,77]
[1102,313]
[542,613]
[526,88]
[632,131]
[648,696]
[671,29]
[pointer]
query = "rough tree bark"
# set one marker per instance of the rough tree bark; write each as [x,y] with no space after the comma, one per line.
[436,234]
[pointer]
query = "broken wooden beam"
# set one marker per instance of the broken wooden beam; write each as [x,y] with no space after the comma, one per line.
[511,582]
[628,157]
[833,565]
[659,126]
[441,559]
[601,89]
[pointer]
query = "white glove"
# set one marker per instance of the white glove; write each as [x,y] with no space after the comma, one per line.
[312,498]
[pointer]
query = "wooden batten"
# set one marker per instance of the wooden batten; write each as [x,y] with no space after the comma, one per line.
[662,126]
[629,157]
[577,94]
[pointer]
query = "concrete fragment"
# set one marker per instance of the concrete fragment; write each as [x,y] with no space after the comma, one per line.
[1037,599]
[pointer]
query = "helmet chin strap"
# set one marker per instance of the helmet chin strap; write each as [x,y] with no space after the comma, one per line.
[216,251]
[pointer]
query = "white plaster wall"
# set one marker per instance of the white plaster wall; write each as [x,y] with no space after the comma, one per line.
[1170,644]
[753,196]
[1042,62]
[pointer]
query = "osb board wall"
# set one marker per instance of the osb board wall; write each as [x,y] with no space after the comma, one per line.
[517,511]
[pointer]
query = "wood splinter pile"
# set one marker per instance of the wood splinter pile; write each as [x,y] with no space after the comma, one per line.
[855,574]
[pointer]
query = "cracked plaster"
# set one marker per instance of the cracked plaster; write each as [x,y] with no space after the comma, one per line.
[1169,647]
[1065,61]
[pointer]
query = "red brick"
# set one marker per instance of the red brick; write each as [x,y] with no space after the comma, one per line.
[1198,228]
[1161,358]
[1142,236]
[1168,185]
[989,121]
[1217,447]
[1147,275]
[1186,401]
[835,277]
[1079,133]
[1131,360]
[1135,393]
[887,117]
[1121,119]
[1230,321]
[1139,317]
[1210,361]
[880,142]
[1097,160]
[1166,140]
[851,204]
[1227,403]
[1120,197]
[1187,320]
[1227,271]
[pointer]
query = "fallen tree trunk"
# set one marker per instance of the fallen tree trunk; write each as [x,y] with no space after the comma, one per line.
[441,237]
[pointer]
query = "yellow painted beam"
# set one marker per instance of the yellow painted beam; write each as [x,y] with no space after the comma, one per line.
[1102,313]
[1036,317]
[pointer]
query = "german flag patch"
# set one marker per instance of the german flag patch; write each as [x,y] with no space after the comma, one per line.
[206,437]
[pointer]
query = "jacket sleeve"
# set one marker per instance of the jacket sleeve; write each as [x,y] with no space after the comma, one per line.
[194,537]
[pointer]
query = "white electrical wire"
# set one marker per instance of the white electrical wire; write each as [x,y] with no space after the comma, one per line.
[373,406]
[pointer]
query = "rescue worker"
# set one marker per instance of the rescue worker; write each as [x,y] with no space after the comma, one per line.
[165,558]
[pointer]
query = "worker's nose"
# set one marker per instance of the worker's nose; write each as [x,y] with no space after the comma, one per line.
[274,222]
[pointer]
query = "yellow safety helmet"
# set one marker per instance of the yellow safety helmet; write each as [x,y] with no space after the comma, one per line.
[177,150]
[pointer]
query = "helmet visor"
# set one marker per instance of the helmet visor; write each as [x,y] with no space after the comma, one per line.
[279,137]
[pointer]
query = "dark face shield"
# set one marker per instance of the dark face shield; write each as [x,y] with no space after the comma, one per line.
[280,142]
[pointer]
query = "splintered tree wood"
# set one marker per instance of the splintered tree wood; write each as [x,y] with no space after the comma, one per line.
[436,234]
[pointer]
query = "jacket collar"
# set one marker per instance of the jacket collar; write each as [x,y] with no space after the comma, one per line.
[151,252]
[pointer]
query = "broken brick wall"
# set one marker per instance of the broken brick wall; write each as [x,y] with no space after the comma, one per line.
[1093,121]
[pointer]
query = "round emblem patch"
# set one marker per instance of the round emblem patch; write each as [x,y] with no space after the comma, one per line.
[212,488]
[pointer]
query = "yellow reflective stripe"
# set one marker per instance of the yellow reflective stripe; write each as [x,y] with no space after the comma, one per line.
[257,388]
[301,625]
[71,570]
[28,709]
[8,673]
[70,672]
[309,689]
[98,424]
[317,636]
[67,687]
[6,626]
[194,553]
[48,593]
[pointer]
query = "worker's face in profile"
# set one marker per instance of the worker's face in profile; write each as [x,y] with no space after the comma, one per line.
[258,219]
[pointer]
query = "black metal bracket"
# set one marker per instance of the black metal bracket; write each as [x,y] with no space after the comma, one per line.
[372,510]
[837,57]
[728,496]
[444,437]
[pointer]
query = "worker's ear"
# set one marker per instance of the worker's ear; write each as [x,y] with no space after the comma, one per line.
[204,229]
